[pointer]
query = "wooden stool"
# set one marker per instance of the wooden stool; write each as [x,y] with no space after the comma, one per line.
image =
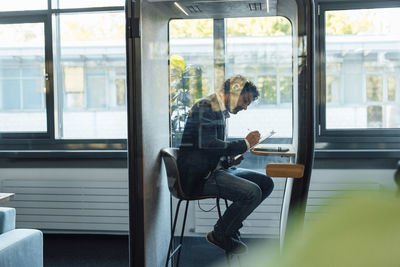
[170,155]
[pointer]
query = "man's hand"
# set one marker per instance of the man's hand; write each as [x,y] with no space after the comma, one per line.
[237,161]
[253,138]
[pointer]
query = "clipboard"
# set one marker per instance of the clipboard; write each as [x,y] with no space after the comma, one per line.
[260,141]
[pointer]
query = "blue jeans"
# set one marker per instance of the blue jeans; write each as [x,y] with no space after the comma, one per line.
[245,188]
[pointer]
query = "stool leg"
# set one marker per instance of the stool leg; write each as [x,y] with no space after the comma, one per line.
[227,254]
[218,208]
[173,232]
[238,257]
[182,232]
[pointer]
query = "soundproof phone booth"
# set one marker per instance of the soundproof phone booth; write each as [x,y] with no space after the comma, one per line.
[178,52]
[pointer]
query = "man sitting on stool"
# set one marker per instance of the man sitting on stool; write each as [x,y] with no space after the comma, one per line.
[206,161]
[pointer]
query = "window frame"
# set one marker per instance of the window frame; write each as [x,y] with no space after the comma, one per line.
[44,143]
[36,18]
[346,139]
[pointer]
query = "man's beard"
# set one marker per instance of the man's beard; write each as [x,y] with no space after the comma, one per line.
[236,110]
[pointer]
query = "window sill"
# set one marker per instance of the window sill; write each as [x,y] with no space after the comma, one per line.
[64,154]
[357,153]
[63,159]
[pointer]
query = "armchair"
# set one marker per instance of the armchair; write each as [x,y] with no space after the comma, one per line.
[19,247]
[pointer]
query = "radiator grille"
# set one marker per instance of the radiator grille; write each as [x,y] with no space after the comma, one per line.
[68,205]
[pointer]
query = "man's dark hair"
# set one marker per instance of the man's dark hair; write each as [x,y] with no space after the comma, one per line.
[249,87]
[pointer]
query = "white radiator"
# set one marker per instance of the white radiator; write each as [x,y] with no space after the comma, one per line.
[66,205]
[322,194]
[265,219]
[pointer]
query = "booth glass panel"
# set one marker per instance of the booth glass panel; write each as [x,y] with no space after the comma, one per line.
[259,48]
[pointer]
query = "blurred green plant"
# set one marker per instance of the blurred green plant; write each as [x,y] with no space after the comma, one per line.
[186,87]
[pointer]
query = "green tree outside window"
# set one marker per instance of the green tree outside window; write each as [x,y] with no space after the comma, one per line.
[267,85]
[285,89]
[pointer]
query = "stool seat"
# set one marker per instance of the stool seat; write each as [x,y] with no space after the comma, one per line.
[291,170]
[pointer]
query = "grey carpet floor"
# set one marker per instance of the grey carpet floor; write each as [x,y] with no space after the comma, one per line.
[112,251]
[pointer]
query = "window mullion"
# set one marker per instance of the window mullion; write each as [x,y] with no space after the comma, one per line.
[219,52]
[57,84]
[50,74]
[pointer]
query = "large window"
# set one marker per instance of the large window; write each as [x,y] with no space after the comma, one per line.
[22,87]
[86,3]
[360,84]
[90,69]
[62,73]
[21,5]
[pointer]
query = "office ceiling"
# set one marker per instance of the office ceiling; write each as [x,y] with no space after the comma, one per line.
[217,8]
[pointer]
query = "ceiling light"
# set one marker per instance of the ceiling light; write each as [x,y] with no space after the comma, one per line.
[181,8]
